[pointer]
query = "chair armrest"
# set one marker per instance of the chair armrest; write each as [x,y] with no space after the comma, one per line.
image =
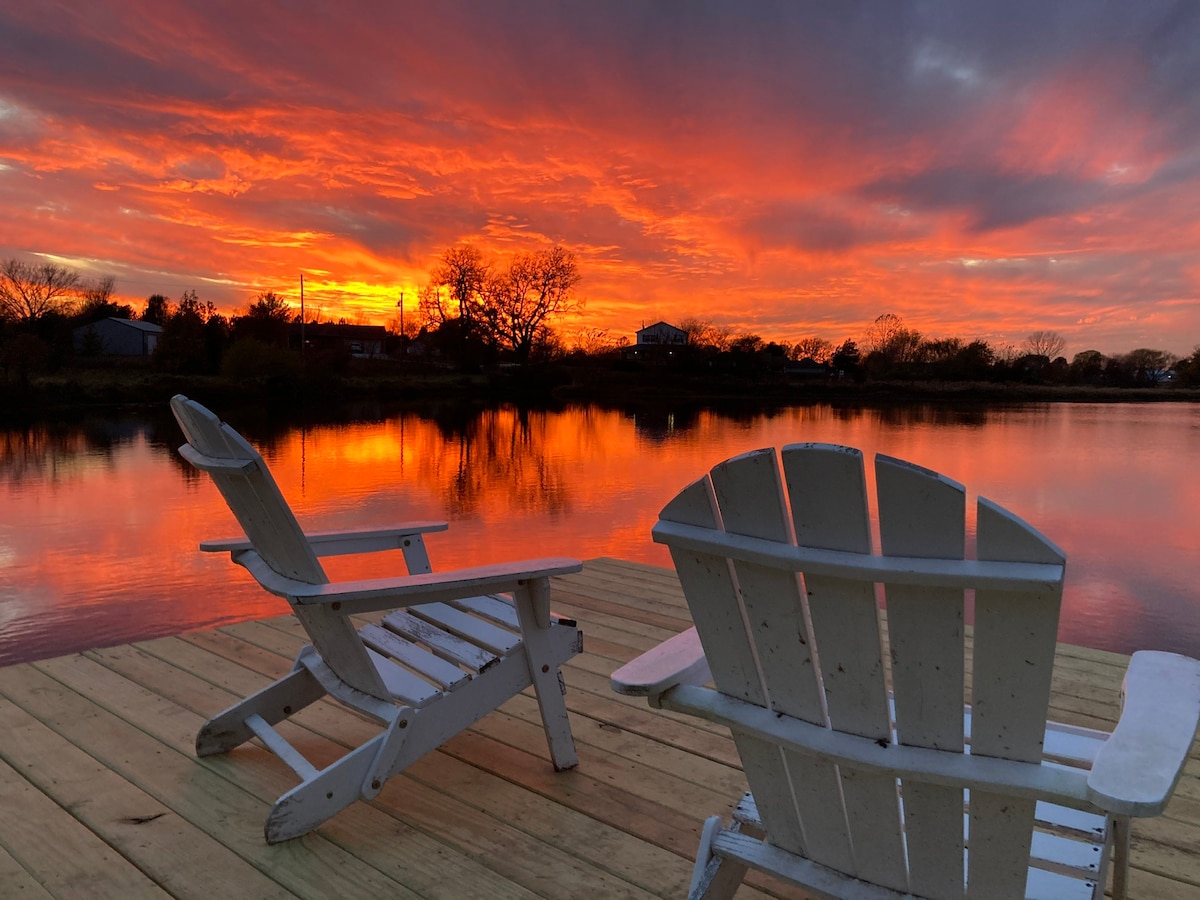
[678,660]
[353,597]
[1137,768]
[336,543]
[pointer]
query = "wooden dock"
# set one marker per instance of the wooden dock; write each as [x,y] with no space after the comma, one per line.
[102,796]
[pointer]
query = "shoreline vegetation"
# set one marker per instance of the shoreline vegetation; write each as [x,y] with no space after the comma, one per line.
[483,335]
[125,385]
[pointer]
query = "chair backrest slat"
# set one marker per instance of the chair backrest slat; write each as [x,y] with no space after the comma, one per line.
[749,493]
[828,494]
[1013,662]
[923,514]
[260,508]
[720,622]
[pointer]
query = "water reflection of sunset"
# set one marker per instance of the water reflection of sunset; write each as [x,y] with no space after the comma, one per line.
[98,541]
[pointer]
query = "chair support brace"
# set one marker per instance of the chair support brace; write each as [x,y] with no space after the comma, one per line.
[1045,781]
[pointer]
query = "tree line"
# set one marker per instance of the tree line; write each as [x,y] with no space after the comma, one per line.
[42,305]
[472,311]
[476,311]
[889,350]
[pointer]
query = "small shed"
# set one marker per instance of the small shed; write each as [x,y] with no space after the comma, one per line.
[117,337]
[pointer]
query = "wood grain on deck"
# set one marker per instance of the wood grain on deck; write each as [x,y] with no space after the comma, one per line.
[101,794]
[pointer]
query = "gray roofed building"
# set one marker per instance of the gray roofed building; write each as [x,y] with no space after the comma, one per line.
[117,337]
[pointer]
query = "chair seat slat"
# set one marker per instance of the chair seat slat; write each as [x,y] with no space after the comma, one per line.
[449,646]
[499,609]
[468,627]
[444,674]
[404,686]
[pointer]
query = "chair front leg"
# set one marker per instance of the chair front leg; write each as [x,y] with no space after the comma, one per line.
[319,797]
[532,601]
[274,703]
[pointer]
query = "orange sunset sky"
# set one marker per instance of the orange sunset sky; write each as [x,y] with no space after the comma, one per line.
[792,169]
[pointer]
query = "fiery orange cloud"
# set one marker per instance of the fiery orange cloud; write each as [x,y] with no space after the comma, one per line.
[978,170]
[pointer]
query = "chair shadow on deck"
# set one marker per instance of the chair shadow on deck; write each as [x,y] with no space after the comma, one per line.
[868,777]
[452,647]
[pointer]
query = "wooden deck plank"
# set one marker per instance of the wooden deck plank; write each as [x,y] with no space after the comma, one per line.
[638,861]
[198,792]
[15,879]
[90,740]
[175,854]
[59,853]
[505,852]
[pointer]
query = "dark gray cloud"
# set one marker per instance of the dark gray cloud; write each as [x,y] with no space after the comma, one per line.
[993,200]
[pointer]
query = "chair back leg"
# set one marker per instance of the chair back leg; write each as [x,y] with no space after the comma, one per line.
[714,877]
[1119,829]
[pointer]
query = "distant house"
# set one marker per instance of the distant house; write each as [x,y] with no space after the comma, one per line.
[117,337]
[361,341]
[662,334]
[656,344]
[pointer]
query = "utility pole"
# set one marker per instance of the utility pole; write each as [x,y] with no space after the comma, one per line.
[301,313]
[403,347]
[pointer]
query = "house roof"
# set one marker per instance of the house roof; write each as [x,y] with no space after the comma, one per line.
[660,325]
[136,324]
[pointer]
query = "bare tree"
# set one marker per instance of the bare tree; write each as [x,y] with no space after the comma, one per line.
[1049,344]
[30,291]
[535,287]
[592,341]
[883,332]
[463,328]
[463,271]
[433,307]
[817,349]
[705,333]
[895,342]
[99,292]
[98,301]
[1007,353]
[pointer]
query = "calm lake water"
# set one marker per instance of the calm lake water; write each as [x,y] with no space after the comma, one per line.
[101,519]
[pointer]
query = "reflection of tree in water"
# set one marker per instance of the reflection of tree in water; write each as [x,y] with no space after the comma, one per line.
[52,451]
[904,414]
[503,459]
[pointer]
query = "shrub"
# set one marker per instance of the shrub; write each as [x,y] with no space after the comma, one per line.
[249,359]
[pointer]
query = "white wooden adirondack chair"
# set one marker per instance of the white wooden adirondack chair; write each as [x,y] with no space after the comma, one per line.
[453,649]
[864,792]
